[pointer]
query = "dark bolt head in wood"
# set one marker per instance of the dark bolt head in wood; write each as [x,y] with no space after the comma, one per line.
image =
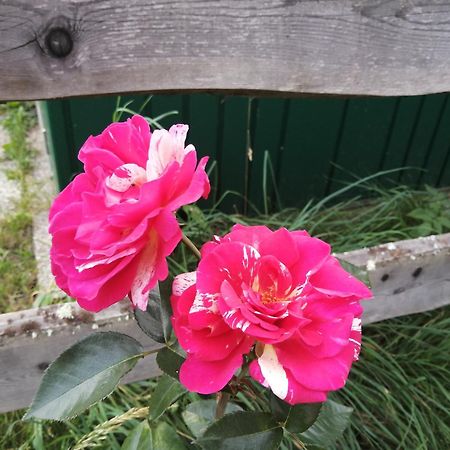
[59,42]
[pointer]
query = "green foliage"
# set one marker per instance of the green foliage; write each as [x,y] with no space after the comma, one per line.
[17,263]
[139,438]
[399,389]
[18,118]
[199,414]
[432,217]
[331,422]
[164,437]
[243,431]
[169,360]
[167,391]
[83,375]
[150,321]
[295,419]
[126,110]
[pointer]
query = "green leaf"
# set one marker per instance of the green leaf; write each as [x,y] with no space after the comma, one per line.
[150,320]
[297,418]
[199,415]
[331,423]
[158,437]
[167,391]
[243,431]
[420,214]
[155,320]
[302,417]
[83,375]
[165,291]
[165,437]
[169,361]
[357,272]
[139,438]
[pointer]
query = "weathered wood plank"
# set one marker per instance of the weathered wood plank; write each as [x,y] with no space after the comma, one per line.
[60,48]
[31,339]
[407,277]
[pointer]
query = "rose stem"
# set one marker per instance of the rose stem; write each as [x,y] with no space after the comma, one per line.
[190,245]
[222,400]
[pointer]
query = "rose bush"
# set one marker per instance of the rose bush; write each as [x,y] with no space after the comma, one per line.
[113,226]
[278,300]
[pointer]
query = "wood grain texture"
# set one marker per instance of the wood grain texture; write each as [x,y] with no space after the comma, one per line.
[31,339]
[407,277]
[374,47]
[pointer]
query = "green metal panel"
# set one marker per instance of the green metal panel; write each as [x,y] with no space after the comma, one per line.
[312,135]
[422,136]
[233,156]
[268,137]
[312,145]
[438,147]
[363,138]
[204,134]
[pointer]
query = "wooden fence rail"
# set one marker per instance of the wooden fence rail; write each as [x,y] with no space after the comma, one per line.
[407,277]
[62,48]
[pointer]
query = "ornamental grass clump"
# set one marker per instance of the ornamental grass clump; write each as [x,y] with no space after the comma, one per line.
[269,316]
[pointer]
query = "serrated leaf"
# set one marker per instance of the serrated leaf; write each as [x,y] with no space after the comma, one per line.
[150,321]
[139,438]
[331,423]
[302,417]
[242,431]
[357,272]
[155,320]
[165,437]
[169,361]
[200,414]
[167,391]
[158,437]
[297,418]
[84,374]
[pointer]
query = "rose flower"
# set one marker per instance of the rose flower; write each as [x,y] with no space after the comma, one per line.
[278,297]
[113,226]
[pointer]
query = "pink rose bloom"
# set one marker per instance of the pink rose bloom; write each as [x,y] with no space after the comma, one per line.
[113,226]
[278,297]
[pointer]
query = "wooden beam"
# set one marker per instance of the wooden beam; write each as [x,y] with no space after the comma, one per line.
[31,339]
[63,48]
[407,277]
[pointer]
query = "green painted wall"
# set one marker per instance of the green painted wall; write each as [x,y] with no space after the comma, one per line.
[310,145]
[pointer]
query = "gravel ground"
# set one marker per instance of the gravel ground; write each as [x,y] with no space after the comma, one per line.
[9,189]
[44,188]
[42,185]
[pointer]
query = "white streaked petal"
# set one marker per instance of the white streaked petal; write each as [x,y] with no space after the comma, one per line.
[182,282]
[144,273]
[273,372]
[126,176]
[356,324]
[91,264]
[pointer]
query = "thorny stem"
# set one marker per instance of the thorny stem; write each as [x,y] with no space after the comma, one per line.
[222,400]
[191,246]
